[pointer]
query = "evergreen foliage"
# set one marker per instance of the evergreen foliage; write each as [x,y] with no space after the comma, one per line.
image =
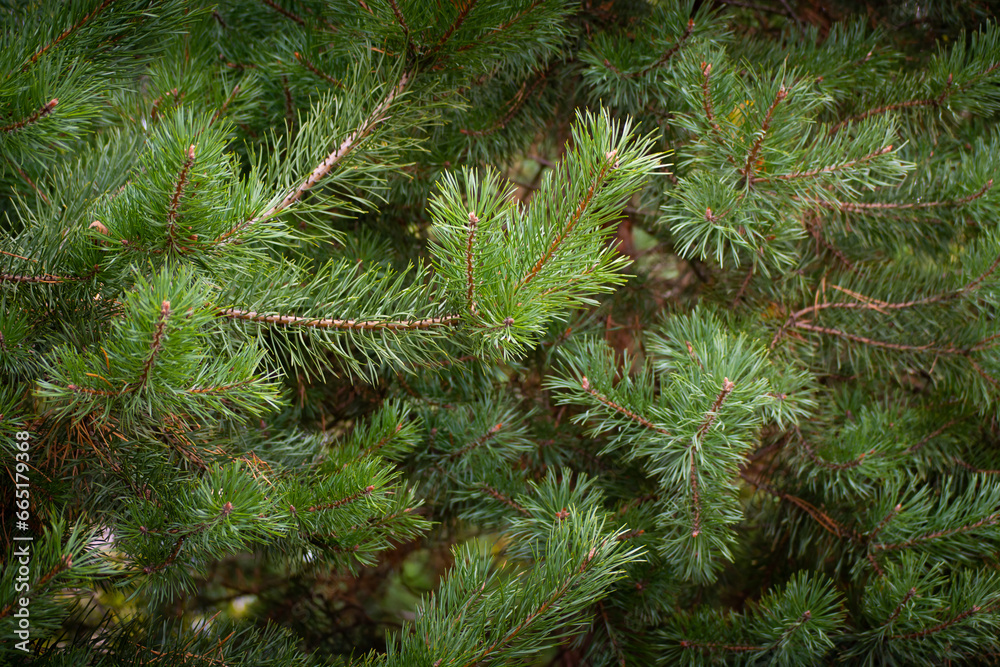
[668,328]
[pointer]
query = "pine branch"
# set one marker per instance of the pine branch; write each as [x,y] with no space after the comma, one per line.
[468,259]
[321,323]
[40,113]
[455,25]
[751,161]
[367,491]
[991,520]
[948,91]
[66,33]
[878,207]
[825,170]
[317,71]
[608,165]
[585,384]
[552,600]
[399,16]
[175,201]
[827,522]
[509,502]
[284,12]
[346,146]
[667,55]
[899,608]
[919,634]
[478,442]
[706,647]
[524,93]
[155,346]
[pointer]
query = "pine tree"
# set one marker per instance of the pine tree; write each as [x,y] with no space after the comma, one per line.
[670,327]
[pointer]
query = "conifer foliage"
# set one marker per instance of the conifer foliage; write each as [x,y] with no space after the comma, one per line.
[668,326]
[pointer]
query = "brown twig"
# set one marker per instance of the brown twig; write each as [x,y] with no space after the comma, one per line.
[324,167]
[399,16]
[712,646]
[899,607]
[221,110]
[524,93]
[878,207]
[713,412]
[829,523]
[936,433]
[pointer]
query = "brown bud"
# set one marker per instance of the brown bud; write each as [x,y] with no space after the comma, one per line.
[99,226]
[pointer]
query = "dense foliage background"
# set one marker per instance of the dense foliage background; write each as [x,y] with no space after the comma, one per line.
[466,332]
